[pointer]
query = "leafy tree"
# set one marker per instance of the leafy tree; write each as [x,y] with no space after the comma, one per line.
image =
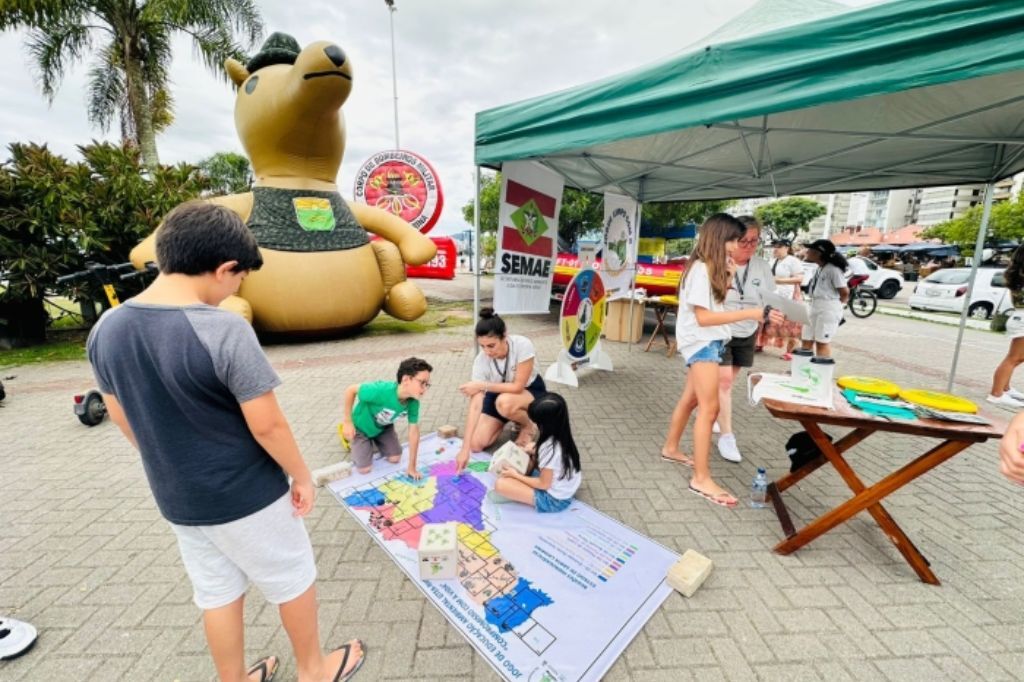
[228,172]
[490,197]
[680,213]
[131,45]
[1005,222]
[788,216]
[55,215]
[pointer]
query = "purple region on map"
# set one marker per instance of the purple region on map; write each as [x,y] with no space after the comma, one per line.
[458,498]
[511,610]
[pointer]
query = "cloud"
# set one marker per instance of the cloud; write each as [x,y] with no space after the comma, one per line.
[454,58]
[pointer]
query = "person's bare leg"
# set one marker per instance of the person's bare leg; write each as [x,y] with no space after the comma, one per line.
[677,423]
[515,490]
[1004,370]
[299,617]
[513,406]
[823,350]
[225,635]
[704,377]
[726,377]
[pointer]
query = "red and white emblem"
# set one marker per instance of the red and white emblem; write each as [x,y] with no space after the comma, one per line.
[402,183]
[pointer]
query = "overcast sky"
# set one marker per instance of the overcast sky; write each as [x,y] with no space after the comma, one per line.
[455,57]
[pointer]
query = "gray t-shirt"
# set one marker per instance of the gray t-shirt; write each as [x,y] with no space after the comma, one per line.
[181,373]
[826,283]
[748,280]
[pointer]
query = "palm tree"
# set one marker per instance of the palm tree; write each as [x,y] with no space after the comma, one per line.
[128,77]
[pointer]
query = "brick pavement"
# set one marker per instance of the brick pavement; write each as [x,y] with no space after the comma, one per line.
[85,556]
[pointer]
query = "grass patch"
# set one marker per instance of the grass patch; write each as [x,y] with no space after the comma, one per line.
[440,314]
[63,345]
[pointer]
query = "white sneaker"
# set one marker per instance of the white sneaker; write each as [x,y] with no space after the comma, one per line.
[1014,393]
[727,448]
[1005,400]
[715,428]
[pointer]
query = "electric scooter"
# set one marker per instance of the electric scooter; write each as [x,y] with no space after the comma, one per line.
[89,406]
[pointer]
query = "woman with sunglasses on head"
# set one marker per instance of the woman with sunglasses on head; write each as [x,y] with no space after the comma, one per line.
[505,381]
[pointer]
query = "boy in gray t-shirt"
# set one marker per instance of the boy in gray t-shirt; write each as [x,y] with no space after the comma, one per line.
[191,389]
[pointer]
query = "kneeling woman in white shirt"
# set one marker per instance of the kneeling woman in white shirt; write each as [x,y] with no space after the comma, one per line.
[556,477]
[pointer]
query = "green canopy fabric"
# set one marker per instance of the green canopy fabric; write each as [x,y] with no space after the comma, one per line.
[910,93]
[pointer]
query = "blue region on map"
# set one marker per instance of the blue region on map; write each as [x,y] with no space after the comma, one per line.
[458,499]
[366,498]
[511,610]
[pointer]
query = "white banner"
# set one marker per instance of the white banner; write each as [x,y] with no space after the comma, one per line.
[540,596]
[621,237]
[531,197]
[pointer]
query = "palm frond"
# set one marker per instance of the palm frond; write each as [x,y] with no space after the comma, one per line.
[106,88]
[54,49]
[32,13]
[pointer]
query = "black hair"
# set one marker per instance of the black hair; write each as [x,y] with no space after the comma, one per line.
[490,324]
[198,237]
[1014,273]
[410,367]
[835,259]
[551,415]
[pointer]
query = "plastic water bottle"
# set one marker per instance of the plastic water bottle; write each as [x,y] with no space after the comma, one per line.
[759,490]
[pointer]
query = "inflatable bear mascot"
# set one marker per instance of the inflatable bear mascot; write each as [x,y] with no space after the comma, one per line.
[321,272]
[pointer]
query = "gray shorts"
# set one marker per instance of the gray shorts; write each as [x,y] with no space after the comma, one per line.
[269,548]
[362,446]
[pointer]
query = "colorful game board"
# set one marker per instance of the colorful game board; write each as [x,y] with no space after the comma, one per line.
[526,581]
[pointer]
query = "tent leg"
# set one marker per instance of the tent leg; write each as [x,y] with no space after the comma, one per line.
[979,246]
[476,247]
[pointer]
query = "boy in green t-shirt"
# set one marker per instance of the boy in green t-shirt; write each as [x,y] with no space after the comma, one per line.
[381,403]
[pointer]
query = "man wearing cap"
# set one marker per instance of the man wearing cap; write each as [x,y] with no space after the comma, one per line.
[828,292]
[788,271]
[752,274]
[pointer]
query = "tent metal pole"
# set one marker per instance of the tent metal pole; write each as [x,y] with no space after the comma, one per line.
[979,246]
[476,246]
[636,252]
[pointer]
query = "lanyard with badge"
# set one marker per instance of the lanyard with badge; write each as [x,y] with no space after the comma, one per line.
[740,285]
[503,371]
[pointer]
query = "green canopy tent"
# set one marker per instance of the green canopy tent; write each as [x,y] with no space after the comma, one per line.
[910,93]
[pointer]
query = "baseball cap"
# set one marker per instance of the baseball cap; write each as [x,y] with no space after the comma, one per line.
[822,246]
[782,242]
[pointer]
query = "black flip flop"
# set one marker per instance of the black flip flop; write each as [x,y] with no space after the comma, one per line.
[347,646]
[262,667]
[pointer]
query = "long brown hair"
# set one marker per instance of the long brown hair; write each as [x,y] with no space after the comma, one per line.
[1015,271]
[712,237]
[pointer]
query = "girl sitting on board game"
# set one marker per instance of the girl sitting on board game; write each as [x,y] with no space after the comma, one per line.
[555,463]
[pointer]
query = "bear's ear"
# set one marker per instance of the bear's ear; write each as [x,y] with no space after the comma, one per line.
[236,72]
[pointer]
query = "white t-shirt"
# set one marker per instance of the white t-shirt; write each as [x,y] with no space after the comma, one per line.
[789,267]
[503,370]
[549,456]
[696,291]
[755,276]
[826,283]
[858,267]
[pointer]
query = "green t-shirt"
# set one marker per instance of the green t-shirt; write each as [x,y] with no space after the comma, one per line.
[378,406]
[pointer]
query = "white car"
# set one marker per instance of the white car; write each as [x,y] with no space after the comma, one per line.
[886,283]
[946,290]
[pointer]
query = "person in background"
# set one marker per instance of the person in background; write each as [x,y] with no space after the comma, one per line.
[828,293]
[789,272]
[1011,451]
[1002,393]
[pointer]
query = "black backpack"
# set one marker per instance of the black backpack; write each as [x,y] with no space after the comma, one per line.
[801,449]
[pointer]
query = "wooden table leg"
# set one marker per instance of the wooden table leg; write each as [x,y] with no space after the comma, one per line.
[842,445]
[659,325]
[868,498]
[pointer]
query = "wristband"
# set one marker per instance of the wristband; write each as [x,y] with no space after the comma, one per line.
[767,310]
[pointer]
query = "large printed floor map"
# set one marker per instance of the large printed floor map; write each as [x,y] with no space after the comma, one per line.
[540,596]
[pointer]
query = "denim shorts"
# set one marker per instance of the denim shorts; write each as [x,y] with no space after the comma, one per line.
[545,502]
[709,353]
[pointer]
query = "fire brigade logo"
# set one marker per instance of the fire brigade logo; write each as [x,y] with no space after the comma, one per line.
[401,183]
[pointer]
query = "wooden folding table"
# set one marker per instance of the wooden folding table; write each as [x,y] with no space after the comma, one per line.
[661,311]
[954,437]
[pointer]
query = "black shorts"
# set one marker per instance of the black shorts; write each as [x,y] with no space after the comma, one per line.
[490,408]
[739,351]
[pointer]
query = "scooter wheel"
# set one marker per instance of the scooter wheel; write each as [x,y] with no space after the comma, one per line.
[94,410]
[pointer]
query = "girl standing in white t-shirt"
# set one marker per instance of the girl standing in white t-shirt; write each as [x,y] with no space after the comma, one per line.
[505,381]
[554,480]
[701,332]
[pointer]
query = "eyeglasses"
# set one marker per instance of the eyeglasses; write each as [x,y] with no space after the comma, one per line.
[749,242]
[423,382]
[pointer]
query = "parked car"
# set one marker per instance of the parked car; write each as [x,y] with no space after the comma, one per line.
[886,283]
[946,290]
